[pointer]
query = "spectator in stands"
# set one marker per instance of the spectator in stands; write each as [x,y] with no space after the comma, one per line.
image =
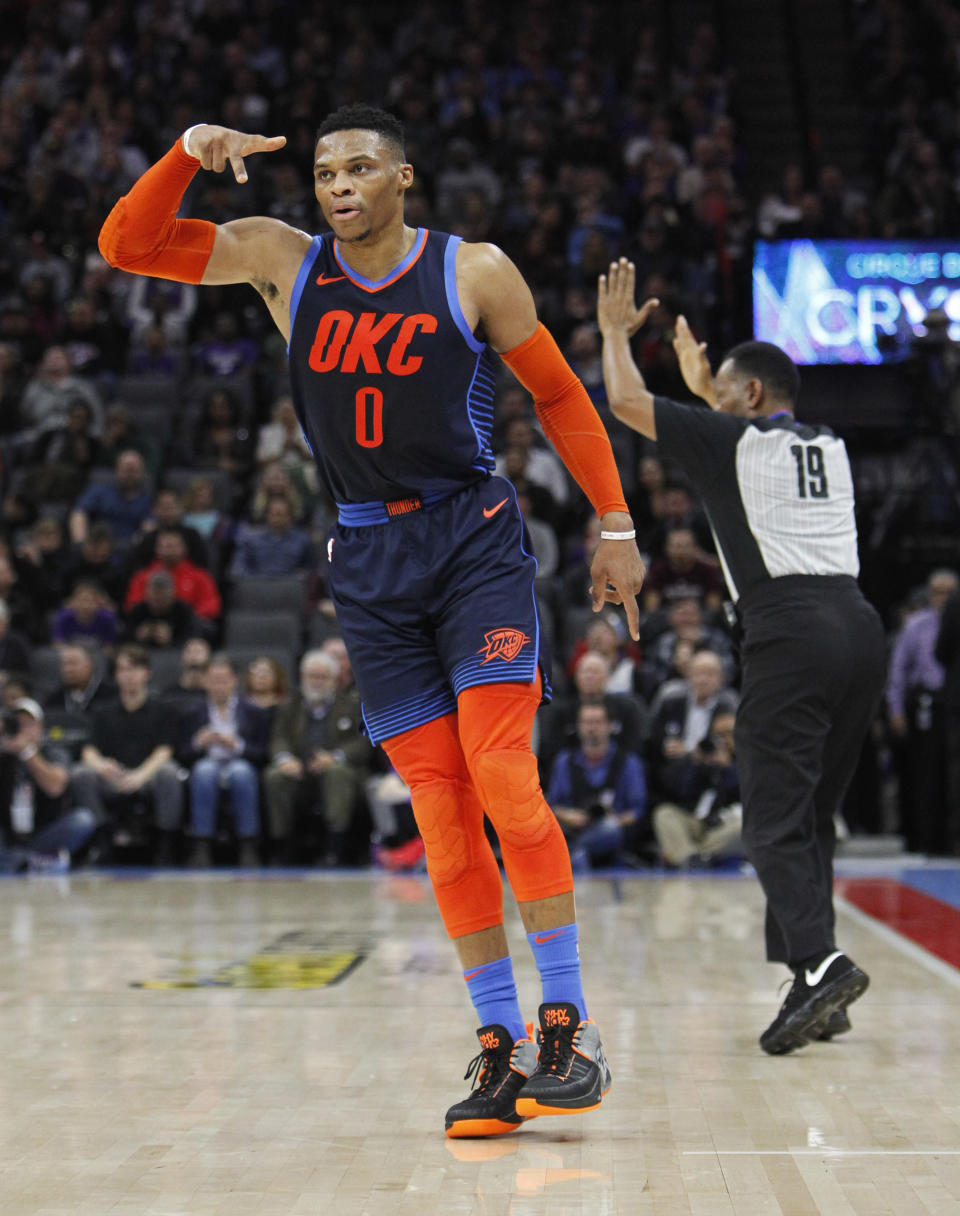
[686,624]
[540,500]
[624,712]
[130,755]
[84,683]
[706,820]
[96,345]
[597,791]
[275,481]
[44,557]
[916,707]
[60,459]
[276,548]
[160,302]
[191,685]
[265,683]
[192,584]
[220,440]
[121,434]
[14,647]
[50,393]
[226,353]
[319,760]
[674,507]
[160,619]
[542,466]
[201,513]
[282,438]
[154,359]
[336,648]
[225,741]
[86,618]
[37,826]
[167,513]
[95,561]
[606,635]
[682,574]
[123,503]
[21,614]
[680,719]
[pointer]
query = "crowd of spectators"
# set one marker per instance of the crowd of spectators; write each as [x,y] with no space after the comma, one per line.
[153,471]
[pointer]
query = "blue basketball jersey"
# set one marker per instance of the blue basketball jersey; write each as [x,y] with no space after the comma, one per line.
[393,391]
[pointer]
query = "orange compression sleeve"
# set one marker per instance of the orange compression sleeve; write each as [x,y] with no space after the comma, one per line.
[142,232]
[568,418]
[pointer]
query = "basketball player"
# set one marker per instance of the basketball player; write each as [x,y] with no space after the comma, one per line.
[779,497]
[391,332]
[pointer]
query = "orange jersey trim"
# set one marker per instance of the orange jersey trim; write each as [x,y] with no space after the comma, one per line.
[398,272]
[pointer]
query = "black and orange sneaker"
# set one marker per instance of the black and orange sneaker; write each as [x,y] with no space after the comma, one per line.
[572,1074]
[499,1072]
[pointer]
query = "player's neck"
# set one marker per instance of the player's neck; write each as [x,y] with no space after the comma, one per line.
[374,257]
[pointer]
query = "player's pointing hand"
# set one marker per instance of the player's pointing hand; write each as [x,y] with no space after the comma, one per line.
[216,147]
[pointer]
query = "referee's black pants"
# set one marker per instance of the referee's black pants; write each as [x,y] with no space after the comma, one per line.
[814,662]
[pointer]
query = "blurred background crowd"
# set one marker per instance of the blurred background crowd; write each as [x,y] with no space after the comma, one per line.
[174,682]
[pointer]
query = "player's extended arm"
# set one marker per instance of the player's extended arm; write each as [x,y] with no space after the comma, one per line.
[142,233]
[505,306]
[619,319]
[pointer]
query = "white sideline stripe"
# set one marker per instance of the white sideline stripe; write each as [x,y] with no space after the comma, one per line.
[930,961]
[821,1152]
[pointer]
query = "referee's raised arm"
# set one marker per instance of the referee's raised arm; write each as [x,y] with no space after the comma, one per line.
[619,319]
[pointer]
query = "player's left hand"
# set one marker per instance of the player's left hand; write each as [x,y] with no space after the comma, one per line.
[617,573]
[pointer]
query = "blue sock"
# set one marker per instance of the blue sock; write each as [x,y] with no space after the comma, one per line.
[494,994]
[557,955]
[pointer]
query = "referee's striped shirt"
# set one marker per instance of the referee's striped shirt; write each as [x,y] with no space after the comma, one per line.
[778,493]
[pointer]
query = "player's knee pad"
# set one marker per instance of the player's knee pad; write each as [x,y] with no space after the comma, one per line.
[463,871]
[509,787]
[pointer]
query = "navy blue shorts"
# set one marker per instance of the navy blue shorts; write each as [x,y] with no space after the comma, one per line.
[435,601]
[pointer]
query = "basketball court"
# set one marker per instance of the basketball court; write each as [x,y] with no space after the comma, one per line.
[286,1043]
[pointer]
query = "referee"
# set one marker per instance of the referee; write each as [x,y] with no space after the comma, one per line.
[779,496]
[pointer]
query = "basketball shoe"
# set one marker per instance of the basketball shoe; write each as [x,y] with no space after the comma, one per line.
[499,1073]
[837,1023]
[572,1073]
[813,997]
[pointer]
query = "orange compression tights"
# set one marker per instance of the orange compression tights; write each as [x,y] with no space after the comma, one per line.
[460,766]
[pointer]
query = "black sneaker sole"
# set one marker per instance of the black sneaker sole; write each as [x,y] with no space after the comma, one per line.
[808,1023]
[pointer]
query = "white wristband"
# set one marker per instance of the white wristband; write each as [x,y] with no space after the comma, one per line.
[631,535]
[185,139]
[28,753]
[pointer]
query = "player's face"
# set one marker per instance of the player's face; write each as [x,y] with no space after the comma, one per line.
[359,183]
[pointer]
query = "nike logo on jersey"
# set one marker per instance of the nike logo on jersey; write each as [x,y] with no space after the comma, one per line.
[814,977]
[322,279]
[489,512]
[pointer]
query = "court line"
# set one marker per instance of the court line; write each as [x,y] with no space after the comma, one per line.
[930,961]
[821,1152]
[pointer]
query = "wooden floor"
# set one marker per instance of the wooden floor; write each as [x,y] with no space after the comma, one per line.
[190,1045]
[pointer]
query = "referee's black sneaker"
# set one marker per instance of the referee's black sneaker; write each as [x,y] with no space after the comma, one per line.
[837,1023]
[572,1074]
[814,995]
[499,1073]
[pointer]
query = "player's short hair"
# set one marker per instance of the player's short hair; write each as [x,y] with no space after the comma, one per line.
[365,118]
[769,364]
